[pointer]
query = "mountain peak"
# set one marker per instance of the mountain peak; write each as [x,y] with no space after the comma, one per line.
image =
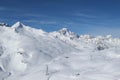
[4,24]
[65,31]
[18,25]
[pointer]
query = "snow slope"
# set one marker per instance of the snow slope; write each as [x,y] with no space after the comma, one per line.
[32,54]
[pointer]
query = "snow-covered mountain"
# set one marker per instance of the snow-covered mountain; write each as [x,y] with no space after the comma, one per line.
[4,24]
[32,54]
[83,41]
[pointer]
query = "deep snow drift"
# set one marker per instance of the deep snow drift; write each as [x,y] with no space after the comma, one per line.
[33,54]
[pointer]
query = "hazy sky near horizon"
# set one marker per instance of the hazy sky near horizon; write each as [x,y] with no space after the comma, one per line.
[95,17]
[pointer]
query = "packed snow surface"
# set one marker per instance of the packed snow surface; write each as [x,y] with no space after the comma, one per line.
[32,54]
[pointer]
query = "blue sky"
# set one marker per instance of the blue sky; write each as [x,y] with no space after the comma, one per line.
[95,17]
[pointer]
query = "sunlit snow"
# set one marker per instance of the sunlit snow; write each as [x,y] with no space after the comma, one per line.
[32,54]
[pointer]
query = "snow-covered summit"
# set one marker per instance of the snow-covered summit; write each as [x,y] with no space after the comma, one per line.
[18,25]
[4,24]
[64,33]
[67,32]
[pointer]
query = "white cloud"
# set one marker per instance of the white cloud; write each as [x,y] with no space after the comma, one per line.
[34,15]
[47,22]
[40,22]
[32,21]
[84,15]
